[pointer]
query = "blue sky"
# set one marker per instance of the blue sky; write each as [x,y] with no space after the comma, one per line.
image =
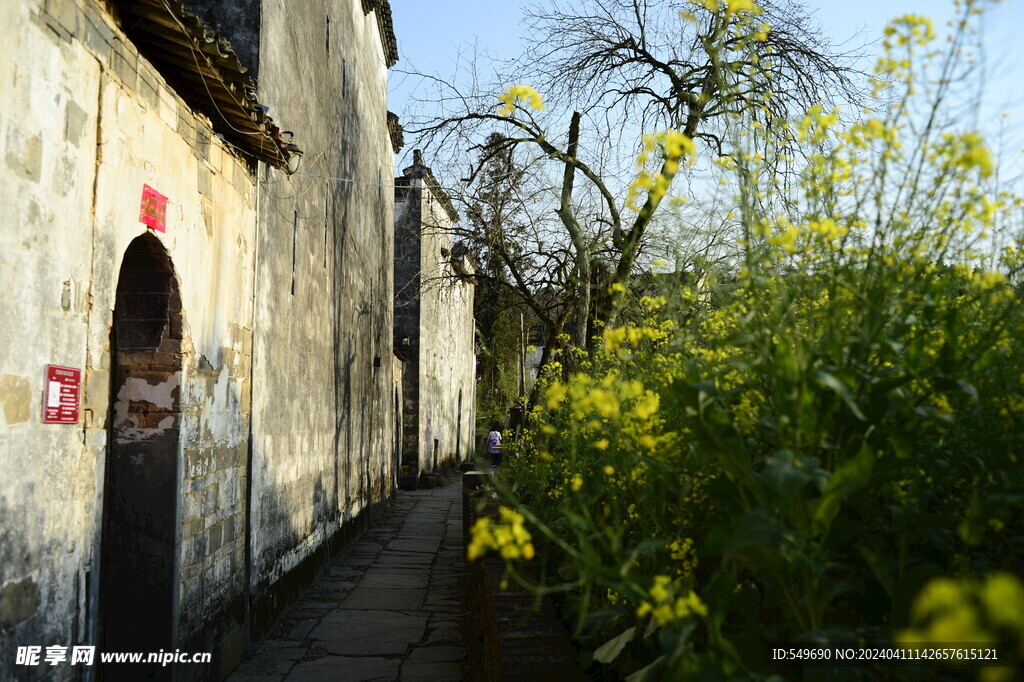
[432,35]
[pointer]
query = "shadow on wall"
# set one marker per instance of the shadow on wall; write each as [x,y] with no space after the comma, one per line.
[280,575]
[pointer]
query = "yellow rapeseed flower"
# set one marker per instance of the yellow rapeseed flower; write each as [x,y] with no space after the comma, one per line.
[646,406]
[1003,596]
[516,94]
[509,537]
[556,394]
[737,6]
[666,607]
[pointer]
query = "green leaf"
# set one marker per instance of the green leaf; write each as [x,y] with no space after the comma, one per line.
[604,617]
[832,381]
[607,652]
[784,477]
[652,626]
[754,530]
[648,546]
[850,476]
[878,567]
[971,528]
[965,387]
[648,673]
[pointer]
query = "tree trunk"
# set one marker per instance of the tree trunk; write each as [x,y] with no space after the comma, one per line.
[578,330]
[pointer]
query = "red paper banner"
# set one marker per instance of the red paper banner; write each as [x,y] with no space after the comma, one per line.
[154,209]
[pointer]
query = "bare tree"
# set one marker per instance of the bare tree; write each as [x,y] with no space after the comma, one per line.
[668,64]
[613,69]
[523,261]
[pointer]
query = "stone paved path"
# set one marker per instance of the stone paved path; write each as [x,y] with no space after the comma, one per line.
[390,609]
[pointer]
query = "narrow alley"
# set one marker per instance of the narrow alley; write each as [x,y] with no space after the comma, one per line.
[389,608]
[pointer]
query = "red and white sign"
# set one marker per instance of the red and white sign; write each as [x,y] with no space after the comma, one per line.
[62,394]
[154,209]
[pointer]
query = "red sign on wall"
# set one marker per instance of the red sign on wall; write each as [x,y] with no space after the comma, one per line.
[62,394]
[154,209]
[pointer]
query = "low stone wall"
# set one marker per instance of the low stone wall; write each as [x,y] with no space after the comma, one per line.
[511,634]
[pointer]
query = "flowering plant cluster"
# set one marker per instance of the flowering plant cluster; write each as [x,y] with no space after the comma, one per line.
[519,94]
[795,448]
[508,536]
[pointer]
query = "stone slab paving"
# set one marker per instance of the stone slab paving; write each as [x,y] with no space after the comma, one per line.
[389,609]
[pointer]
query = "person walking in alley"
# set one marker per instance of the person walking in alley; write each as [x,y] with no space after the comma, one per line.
[494,445]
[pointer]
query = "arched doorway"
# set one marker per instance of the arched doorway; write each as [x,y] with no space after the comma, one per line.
[138,564]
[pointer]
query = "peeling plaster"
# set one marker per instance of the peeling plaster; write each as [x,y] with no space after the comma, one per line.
[134,389]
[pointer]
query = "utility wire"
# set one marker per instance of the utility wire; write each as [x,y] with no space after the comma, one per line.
[349,180]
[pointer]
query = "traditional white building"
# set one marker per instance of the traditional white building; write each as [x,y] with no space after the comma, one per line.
[196,371]
[434,326]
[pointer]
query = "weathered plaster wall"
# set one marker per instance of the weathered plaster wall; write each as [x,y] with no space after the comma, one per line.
[306,262]
[447,359]
[397,400]
[434,310]
[210,238]
[85,124]
[323,407]
[407,310]
[47,495]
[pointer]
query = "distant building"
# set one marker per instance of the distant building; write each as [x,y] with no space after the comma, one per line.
[434,327]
